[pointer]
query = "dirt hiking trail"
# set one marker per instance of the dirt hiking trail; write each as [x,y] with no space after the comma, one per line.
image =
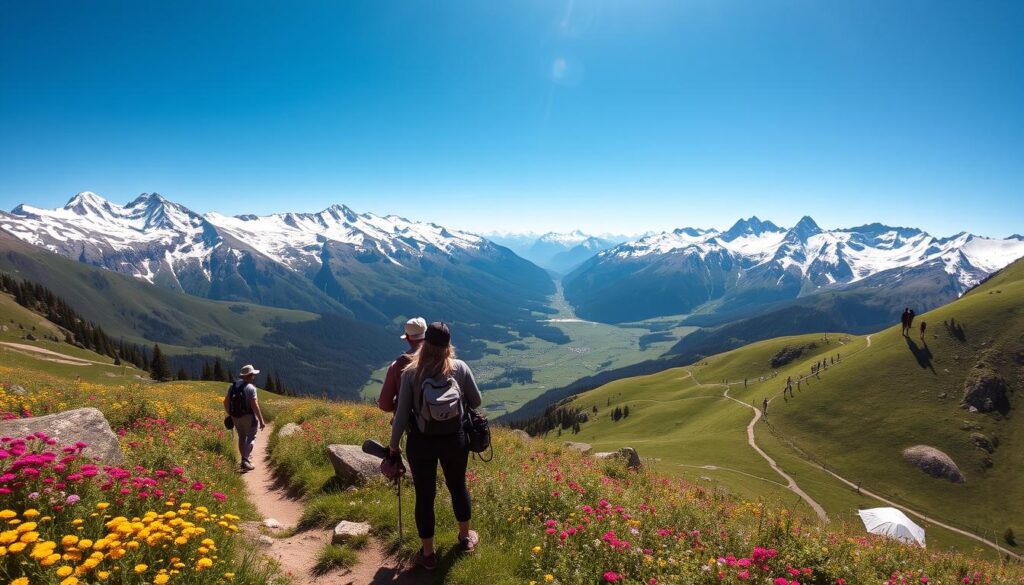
[297,552]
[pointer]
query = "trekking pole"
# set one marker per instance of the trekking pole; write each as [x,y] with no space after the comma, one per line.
[401,537]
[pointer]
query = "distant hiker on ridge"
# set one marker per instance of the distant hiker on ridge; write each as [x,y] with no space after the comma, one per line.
[240,402]
[923,327]
[435,390]
[910,320]
[414,330]
[764,406]
[905,320]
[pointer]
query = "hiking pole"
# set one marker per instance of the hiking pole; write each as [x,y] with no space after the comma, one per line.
[401,535]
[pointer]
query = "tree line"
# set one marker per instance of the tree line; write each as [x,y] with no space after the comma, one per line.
[85,334]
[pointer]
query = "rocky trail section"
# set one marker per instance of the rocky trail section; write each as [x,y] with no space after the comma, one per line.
[296,551]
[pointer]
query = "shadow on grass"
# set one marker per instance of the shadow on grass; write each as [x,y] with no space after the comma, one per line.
[922,354]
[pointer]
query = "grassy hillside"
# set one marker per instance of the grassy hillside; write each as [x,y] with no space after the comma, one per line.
[545,513]
[855,417]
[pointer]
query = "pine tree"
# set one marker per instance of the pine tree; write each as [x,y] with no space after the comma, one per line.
[218,372]
[207,373]
[182,374]
[159,368]
[280,387]
[270,386]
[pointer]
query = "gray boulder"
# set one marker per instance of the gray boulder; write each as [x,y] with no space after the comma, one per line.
[17,390]
[933,462]
[346,531]
[69,427]
[581,447]
[351,465]
[289,430]
[628,454]
[521,434]
[986,391]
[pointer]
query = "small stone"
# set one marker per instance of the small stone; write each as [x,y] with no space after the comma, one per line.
[289,430]
[17,390]
[265,540]
[272,524]
[581,447]
[521,434]
[346,531]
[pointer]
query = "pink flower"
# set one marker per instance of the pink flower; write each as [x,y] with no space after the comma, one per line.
[219,496]
[612,577]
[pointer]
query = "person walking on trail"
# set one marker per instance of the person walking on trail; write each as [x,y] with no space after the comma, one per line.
[910,320]
[241,404]
[904,319]
[434,392]
[764,406]
[414,330]
[923,327]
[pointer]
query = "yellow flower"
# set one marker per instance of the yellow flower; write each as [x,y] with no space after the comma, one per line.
[203,563]
[141,568]
[64,571]
[549,578]
[7,514]
[30,513]
[536,549]
[20,581]
[69,540]
[17,547]
[103,575]
[161,579]
[70,581]
[229,575]
[102,506]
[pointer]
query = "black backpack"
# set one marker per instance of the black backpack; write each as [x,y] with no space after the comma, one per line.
[237,403]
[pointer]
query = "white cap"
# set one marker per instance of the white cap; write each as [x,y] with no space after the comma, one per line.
[248,370]
[415,328]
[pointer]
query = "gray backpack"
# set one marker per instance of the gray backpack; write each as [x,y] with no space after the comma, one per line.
[438,406]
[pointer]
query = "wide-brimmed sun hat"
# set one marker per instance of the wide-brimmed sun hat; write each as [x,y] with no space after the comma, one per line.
[248,370]
[415,328]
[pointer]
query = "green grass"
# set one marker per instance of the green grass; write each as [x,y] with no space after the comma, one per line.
[335,556]
[856,418]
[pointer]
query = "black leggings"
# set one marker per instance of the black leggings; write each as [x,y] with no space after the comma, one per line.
[424,452]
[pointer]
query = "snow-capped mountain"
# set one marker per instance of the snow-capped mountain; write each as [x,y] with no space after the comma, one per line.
[557,251]
[757,262]
[336,260]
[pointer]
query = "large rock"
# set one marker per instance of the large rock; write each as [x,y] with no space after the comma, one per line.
[986,391]
[289,430]
[346,531]
[521,434]
[629,454]
[933,462]
[351,465]
[69,427]
[581,447]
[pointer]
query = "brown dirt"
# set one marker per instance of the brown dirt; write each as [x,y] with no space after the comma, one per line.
[297,553]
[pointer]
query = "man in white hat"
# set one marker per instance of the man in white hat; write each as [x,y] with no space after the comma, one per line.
[240,403]
[415,329]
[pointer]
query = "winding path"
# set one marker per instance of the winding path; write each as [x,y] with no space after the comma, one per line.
[296,552]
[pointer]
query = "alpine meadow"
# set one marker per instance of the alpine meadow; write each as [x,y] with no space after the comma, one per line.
[576,293]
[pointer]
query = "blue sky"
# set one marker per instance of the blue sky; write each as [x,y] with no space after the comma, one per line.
[611,116]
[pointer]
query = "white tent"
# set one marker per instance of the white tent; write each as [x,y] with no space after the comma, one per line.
[892,523]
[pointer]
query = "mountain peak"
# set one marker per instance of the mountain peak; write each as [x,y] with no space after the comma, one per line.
[805,228]
[87,202]
[147,200]
[753,226]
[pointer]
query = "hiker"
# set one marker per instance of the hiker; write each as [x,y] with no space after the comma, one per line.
[903,320]
[923,327]
[910,320]
[240,403]
[435,390]
[764,406]
[414,330]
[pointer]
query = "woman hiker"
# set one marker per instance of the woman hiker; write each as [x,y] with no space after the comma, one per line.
[434,392]
[247,417]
